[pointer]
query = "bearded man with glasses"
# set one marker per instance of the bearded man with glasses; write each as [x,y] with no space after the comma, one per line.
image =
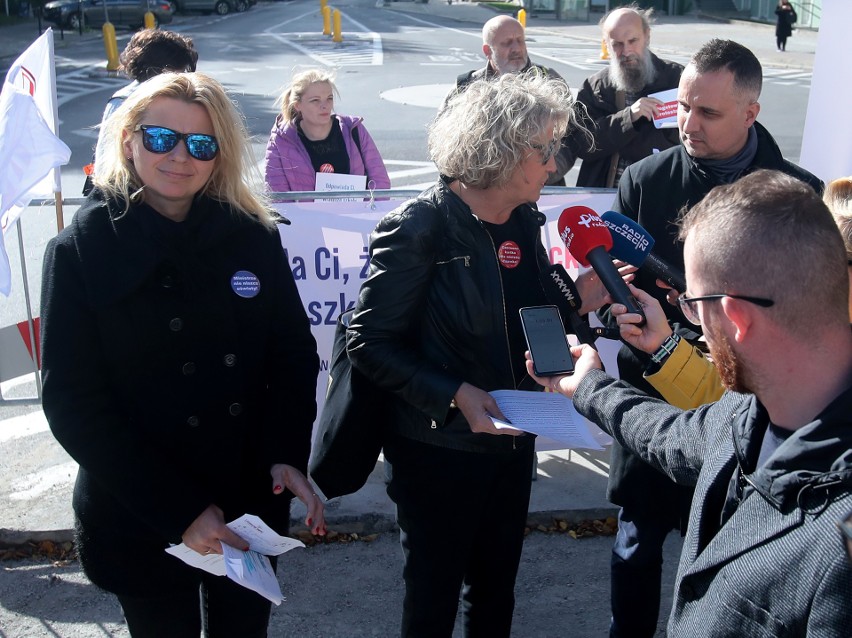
[770,461]
[721,141]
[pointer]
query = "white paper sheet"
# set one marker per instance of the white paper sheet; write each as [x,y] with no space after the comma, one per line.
[668,111]
[250,569]
[546,414]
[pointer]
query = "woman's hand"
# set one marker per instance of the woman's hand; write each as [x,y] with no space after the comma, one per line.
[592,291]
[585,359]
[208,531]
[478,406]
[288,476]
[649,337]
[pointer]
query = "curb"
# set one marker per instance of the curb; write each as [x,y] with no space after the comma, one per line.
[362,525]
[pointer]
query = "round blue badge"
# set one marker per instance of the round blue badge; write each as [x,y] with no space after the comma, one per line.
[245,284]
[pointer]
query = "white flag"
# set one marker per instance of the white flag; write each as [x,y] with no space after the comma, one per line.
[34,73]
[29,148]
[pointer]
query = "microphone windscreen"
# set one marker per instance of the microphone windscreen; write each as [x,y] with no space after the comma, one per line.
[630,242]
[582,230]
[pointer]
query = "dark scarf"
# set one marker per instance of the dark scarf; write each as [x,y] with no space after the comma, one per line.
[727,171]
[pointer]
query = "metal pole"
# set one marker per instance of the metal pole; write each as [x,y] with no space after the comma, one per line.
[30,322]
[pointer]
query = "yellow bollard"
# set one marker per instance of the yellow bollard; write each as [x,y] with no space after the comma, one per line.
[322,4]
[338,36]
[150,20]
[111,46]
[604,50]
[326,20]
[522,17]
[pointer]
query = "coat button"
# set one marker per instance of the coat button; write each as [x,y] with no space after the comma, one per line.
[229,360]
[167,281]
[235,409]
[176,324]
[193,421]
[188,368]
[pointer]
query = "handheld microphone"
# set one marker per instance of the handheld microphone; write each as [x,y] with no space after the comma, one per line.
[633,244]
[561,291]
[588,239]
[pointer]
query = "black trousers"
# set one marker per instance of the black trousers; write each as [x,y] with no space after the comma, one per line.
[216,607]
[461,517]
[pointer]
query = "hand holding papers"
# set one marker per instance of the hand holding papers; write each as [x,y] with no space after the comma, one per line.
[545,413]
[250,569]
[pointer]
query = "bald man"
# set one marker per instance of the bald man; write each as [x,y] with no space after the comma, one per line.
[504,46]
[620,111]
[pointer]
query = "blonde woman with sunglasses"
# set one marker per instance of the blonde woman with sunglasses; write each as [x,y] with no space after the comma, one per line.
[178,363]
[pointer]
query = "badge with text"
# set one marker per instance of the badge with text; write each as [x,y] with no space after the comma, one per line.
[509,254]
[245,284]
[666,116]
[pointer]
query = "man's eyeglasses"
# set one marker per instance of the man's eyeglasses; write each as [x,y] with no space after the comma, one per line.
[690,310]
[159,139]
[547,150]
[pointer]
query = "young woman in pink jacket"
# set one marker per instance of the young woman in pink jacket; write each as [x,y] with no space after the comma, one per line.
[309,138]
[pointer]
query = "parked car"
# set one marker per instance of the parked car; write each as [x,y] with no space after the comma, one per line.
[220,7]
[127,13]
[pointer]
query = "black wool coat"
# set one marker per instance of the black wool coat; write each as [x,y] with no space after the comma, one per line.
[178,367]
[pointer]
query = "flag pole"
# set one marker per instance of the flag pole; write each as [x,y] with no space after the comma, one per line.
[60,218]
[30,321]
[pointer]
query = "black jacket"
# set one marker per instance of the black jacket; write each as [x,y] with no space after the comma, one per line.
[652,192]
[431,315]
[171,390]
[612,128]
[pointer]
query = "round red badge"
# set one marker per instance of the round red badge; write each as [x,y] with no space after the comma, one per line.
[509,254]
[326,168]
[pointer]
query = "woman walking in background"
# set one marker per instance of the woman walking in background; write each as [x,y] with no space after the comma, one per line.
[309,138]
[785,19]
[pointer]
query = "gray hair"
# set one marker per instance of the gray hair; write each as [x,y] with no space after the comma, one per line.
[485,131]
[748,236]
[645,15]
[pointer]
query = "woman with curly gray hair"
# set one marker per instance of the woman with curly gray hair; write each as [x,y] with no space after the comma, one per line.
[437,325]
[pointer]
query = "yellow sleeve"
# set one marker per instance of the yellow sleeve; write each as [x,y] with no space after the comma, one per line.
[687,379]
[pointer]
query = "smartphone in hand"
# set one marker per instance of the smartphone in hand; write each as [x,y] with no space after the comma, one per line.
[546,340]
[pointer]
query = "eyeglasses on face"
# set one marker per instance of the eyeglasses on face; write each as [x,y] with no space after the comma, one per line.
[547,150]
[690,310]
[159,139]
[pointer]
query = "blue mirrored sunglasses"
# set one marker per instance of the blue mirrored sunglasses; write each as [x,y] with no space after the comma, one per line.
[159,139]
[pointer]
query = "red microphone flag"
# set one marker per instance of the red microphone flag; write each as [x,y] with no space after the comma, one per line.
[582,229]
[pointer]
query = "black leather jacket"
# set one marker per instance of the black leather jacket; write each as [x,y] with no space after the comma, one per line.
[431,315]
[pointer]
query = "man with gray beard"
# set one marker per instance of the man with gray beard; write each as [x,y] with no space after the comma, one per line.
[620,114]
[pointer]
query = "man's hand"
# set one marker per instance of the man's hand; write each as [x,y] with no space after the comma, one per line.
[478,406]
[592,291]
[644,107]
[649,337]
[208,531]
[585,359]
[288,476]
